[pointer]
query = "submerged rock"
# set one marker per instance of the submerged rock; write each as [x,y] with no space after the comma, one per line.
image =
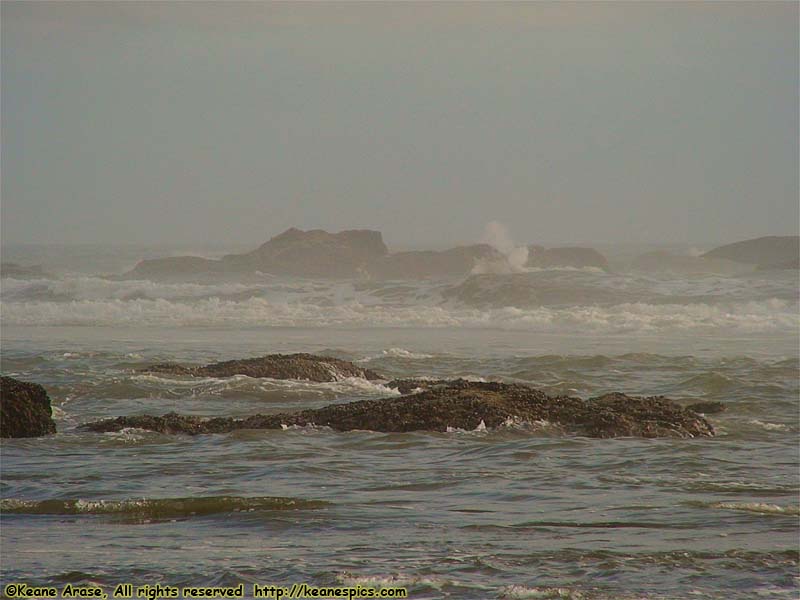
[460,404]
[24,409]
[274,366]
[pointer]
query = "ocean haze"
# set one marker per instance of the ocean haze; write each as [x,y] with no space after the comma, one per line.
[188,123]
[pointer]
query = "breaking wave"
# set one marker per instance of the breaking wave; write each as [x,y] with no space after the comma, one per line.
[761,316]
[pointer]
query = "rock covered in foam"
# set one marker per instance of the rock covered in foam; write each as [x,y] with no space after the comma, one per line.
[275,366]
[462,405]
[24,409]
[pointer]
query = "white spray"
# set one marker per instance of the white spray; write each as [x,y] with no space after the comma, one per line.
[515,257]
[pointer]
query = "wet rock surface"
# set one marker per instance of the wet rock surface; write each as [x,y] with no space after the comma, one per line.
[275,366]
[462,405]
[24,409]
[707,408]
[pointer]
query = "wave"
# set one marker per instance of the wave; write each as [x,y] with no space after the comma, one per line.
[154,509]
[749,317]
[757,507]
[218,385]
[397,353]
[521,592]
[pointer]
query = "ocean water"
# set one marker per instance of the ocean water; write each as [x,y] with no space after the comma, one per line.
[517,512]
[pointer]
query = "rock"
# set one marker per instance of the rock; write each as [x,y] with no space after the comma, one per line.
[24,409]
[662,261]
[764,252]
[456,262]
[16,271]
[411,384]
[707,408]
[461,404]
[313,253]
[274,366]
[566,257]
[174,267]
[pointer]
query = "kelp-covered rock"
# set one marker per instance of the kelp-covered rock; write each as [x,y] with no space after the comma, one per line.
[463,405]
[274,366]
[24,409]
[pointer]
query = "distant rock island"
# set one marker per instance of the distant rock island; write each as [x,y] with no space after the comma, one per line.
[17,271]
[357,253]
[362,254]
[771,252]
[764,253]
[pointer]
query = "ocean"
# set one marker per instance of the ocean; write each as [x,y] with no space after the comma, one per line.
[516,512]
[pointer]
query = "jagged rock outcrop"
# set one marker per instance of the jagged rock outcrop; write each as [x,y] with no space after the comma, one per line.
[764,252]
[463,405]
[566,257]
[25,409]
[275,366]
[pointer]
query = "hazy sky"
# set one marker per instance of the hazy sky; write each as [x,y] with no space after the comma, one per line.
[569,122]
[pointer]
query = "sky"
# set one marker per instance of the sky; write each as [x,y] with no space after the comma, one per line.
[228,122]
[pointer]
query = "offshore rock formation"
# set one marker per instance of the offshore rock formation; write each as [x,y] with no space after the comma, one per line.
[764,252]
[566,257]
[24,409]
[459,404]
[17,271]
[424,264]
[313,253]
[274,366]
[662,261]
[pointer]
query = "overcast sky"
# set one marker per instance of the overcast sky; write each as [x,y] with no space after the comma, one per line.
[568,122]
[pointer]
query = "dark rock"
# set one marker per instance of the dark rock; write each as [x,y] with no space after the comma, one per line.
[24,409]
[765,252]
[566,257]
[462,404]
[707,408]
[274,366]
[411,384]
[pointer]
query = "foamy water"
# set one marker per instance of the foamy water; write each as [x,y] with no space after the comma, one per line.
[519,511]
